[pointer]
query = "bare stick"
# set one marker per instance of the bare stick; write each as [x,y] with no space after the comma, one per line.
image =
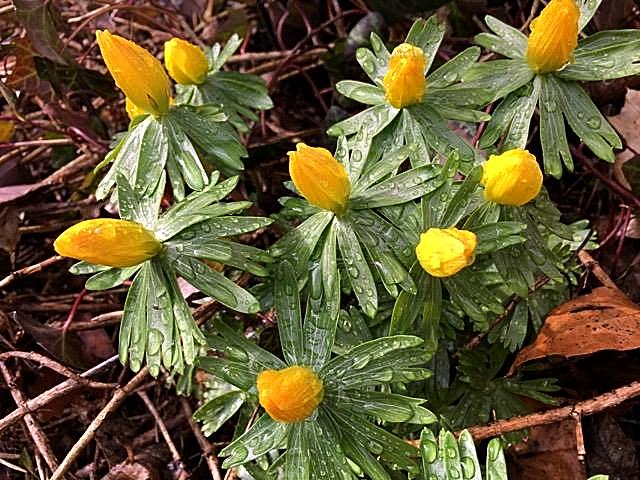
[90,432]
[51,394]
[207,448]
[582,409]
[165,434]
[38,436]
[29,270]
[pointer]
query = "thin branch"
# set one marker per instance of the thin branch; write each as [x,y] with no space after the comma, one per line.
[29,270]
[118,397]
[207,448]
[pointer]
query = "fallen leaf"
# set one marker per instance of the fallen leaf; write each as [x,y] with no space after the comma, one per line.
[626,168]
[605,319]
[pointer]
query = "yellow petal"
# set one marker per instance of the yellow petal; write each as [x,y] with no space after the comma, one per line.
[320,178]
[554,36]
[289,395]
[404,83]
[137,73]
[185,62]
[108,241]
[132,109]
[512,178]
[6,130]
[443,252]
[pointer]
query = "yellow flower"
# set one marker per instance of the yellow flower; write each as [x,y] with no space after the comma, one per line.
[289,395]
[554,36]
[404,83]
[320,178]
[132,109]
[443,252]
[185,62]
[6,130]
[138,73]
[108,241]
[512,178]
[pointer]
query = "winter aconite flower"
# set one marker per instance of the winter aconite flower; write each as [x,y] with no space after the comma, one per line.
[512,178]
[554,36]
[186,63]
[289,395]
[108,241]
[137,73]
[444,252]
[320,178]
[405,83]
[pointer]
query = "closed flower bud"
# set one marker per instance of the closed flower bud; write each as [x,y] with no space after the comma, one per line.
[443,252]
[132,109]
[186,63]
[137,73]
[108,241]
[512,178]
[320,178]
[289,395]
[404,84]
[554,36]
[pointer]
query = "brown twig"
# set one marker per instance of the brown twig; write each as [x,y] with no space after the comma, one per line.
[207,448]
[46,397]
[38,436]
[118,397]
[584,408]
[29,270]
[594,267]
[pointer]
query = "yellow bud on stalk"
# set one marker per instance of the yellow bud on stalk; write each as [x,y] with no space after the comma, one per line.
[512,178]
[554,36]
[443,252]
[108,241]
[186,63]
[289,395]
[137,73]
[320,178]
[405,84]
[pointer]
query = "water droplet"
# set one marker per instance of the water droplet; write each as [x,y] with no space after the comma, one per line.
[593,122]
[468,467]
[360,362]
[550,106]
[429,451]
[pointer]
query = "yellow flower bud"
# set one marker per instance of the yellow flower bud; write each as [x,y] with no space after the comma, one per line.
[132,109]
[443,252]
[320,178]
[6,130]
[289,395]
[404,83]
[138,73]
[512,178]
[554,36]
[108,241]
[185,62]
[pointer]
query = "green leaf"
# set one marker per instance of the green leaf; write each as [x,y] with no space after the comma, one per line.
[218,57]
[503,76]
[375,66]
[143,209]
[152,158]
[553,136]
[215,412]
[451,71]
[201,233]
[462,200]
[469,457]
[407,306]
[184,155]
[323,305]
[300,243]
[518,134]
[163,344]
[496,236]
[234,254]
[356,266]
[587,9]
[388,407]
[361,92]
[496,464]
[287,305]
[265,435]
[328,459]
[604,56]
[507,41]
[375,171]
[377,117]
[585,119]
[298,456]
[400,188]
[133,327]
[357,452]
[427,34]
[83,268]
[216,285]
[242,88]
[110,278]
